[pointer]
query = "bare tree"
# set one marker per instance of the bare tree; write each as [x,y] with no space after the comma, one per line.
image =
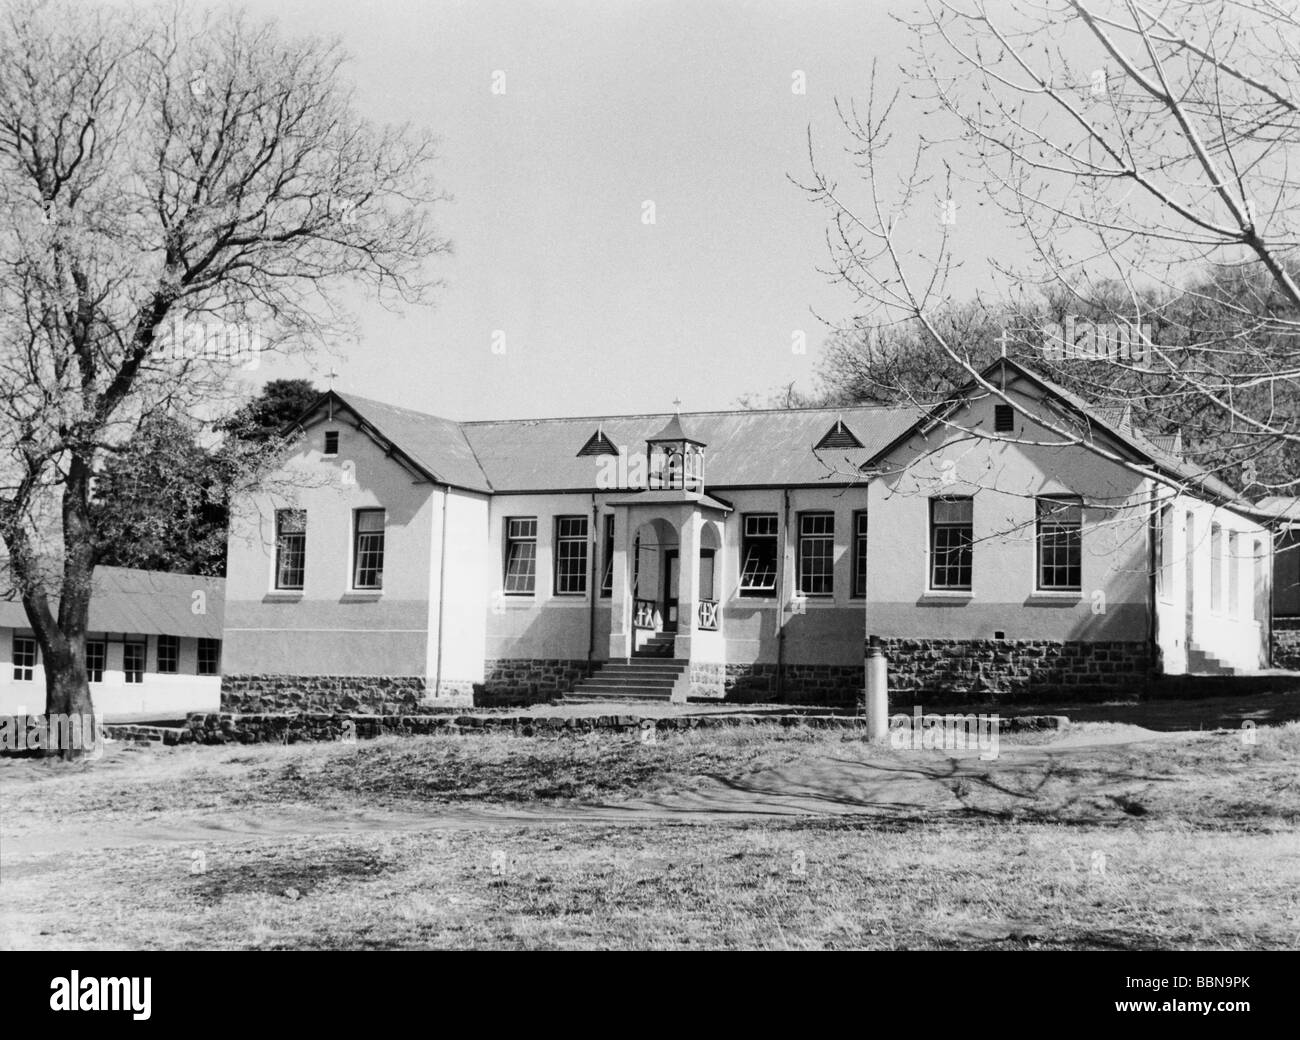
[1140,154]
[178,194]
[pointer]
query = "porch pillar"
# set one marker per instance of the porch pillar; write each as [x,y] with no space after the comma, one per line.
[688,583]
[620,603]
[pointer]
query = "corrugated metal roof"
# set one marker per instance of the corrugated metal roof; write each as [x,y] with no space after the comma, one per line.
[742,448]
[145,603]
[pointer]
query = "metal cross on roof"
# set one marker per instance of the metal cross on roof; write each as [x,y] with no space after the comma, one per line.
[677,403]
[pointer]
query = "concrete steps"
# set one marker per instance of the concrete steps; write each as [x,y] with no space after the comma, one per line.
[1201,663]
[661,644]
[640,679]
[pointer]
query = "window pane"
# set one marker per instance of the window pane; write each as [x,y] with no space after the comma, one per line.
[860,554]
[521,566]
[369,549]
[1061,510]
[209,656]
[169,652]
[24,659]
[607,563]
[96,656]
[570,555]
[1060,543]
[291,521]
[758,572]
[953,510]
[816,553]
[133,662]
[521,527]
[951,538]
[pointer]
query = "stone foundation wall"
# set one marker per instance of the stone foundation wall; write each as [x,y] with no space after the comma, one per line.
[942,669]
[225,728]
[708,681]
[827,684]
[528,680]
[365,694]
[1286,642]
[954,670]
[988,669]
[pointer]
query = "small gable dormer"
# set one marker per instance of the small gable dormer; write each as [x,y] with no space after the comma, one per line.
[598,444]
[676,460]
[838,436]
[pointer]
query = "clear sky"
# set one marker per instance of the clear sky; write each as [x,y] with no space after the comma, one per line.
[684,103]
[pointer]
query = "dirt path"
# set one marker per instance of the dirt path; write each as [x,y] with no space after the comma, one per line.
[894,783]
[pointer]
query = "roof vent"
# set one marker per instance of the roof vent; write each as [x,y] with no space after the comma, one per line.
[598,444]
[1170,442]
[838,436]
[1004,418]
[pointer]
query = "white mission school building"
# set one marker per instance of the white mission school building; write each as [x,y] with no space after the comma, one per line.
[407,560]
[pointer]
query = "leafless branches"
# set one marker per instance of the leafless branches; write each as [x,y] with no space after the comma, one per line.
[1139,155]
[171,185]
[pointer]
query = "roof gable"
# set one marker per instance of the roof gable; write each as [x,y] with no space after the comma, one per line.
[1092,419]
[434,446]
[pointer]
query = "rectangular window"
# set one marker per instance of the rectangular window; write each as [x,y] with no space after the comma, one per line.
[1004,418]
[860,554]
[816,553]
[607,558]
[570,555]
[1260,604]
[1060,544]
[331,442]
[209,656]
[1164,557]
[133,662]
[758,554]
[169,654]
[521,555]
[96,659]
[1216,568]
[1234,575]
[290,548]
[951,537]
[24,658]
[368,551]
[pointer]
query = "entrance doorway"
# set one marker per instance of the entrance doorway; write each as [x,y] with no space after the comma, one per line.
[671,575]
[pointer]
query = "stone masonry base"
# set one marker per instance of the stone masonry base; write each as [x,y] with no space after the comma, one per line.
[939,669]
[1286,642]
[1015,670]
[365,694]
[528,680]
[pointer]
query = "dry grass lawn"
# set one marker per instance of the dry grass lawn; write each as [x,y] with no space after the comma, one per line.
[748,838]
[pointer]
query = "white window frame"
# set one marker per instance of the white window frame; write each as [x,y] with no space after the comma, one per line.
[756,532]
[358,552]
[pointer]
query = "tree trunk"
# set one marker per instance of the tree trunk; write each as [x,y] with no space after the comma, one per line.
[62,637]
